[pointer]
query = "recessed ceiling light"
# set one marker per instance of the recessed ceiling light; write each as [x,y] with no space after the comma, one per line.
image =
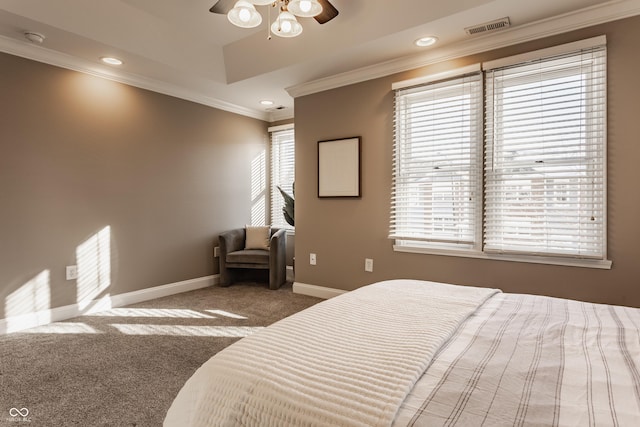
[111,61]
[426,41]
[266,102]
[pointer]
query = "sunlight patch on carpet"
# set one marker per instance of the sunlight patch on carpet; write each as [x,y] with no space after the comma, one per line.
[153,312]
[63,328]
[226,314]
[188,331]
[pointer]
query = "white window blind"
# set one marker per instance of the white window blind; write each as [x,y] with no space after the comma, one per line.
[545,156]
[282,172]
[436,193]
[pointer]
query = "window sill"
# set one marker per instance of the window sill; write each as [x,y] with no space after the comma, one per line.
[570,262]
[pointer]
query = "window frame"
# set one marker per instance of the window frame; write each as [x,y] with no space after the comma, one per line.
[478,249]
[459,97]
[274,181]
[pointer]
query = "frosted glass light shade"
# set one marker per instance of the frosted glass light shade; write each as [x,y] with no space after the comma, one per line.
[305,8]
[244,15]
[262,2]
[286,25]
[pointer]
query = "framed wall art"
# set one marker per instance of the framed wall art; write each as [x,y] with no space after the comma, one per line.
[339,167]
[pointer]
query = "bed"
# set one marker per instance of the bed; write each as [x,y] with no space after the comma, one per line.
[417,353]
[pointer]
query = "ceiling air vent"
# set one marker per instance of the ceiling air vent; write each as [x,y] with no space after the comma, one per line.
[498,24]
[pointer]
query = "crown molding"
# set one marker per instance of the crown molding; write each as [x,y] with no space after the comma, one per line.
[587,17]
[63,60]
[598,14]
[277,115]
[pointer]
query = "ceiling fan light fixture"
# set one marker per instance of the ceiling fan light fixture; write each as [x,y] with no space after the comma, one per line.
[244,15]
[262,2]
[305,8]
[286,25]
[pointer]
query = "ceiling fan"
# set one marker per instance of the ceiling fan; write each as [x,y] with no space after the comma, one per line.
[242,13]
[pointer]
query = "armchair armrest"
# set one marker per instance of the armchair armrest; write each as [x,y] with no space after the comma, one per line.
[231,241]
[277,240]
[277,259]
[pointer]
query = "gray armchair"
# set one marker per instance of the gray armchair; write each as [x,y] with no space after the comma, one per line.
[234,257]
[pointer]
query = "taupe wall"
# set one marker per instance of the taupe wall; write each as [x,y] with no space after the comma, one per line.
[80,153]
[344,232]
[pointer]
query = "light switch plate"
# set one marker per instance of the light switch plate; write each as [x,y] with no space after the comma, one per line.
[368,265]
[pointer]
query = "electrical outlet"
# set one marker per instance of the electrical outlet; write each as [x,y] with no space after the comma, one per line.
[72,272]
[312,259]
[368,265]
[216,252]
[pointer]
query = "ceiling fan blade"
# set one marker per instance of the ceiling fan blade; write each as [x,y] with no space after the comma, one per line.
[328,12]
[223,6]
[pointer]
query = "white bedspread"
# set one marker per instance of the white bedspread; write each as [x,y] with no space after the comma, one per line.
[349,361]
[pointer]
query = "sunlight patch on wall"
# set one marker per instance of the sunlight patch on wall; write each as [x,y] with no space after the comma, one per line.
[258,189]
[27,305]
[226,314]
[188,331]
[63,328]
[94,267]
[153,312]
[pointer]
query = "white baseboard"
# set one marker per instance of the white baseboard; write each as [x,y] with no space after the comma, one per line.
[290,277]
[164,290]
[43,317]
[316,291]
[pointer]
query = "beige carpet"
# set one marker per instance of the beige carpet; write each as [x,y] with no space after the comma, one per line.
[123,367]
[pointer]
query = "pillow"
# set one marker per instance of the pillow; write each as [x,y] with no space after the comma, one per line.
[257,237]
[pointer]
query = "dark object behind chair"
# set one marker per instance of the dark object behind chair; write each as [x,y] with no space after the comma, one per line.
[234,257]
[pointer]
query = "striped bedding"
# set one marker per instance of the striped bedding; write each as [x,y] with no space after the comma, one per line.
[413,353]
[524,360]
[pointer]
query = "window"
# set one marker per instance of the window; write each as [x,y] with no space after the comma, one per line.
[436,181]
[540,194]
[282,170]
[544,164]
